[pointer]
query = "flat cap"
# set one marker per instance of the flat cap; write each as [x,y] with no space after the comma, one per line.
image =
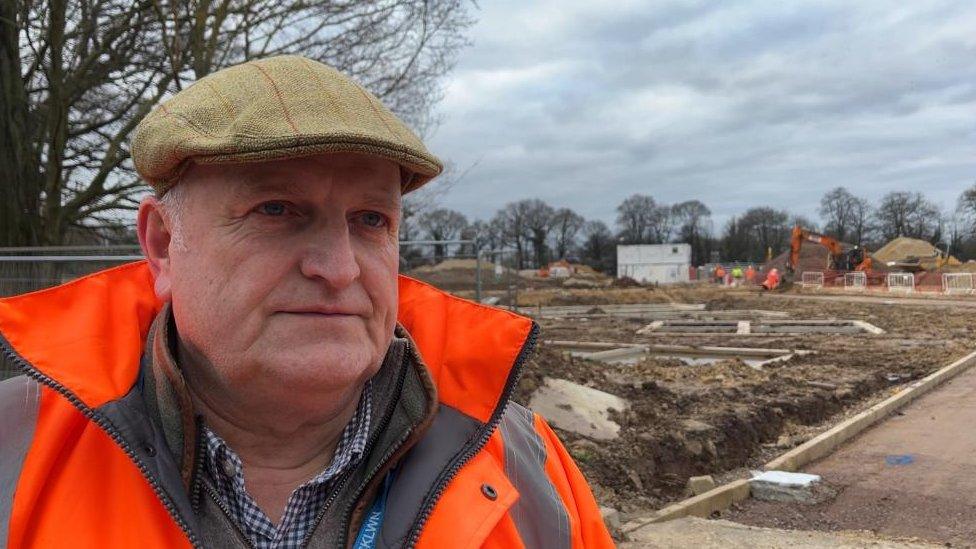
[281,107]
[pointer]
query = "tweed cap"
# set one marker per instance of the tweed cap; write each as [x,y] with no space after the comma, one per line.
[281,107]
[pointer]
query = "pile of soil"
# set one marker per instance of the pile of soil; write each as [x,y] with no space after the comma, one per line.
[459,275]
[812,258]
[686,421]
[672,293]
[625,282]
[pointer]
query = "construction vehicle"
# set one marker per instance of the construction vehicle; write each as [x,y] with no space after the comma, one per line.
[843,257]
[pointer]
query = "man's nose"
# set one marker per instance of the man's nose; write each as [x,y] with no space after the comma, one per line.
[329,256]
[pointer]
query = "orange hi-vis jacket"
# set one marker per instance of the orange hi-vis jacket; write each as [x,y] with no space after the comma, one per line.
[77,467]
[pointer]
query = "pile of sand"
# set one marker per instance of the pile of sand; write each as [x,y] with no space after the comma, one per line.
[903,248]
[967,267]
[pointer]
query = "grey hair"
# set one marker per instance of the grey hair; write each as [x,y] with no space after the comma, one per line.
[172,204]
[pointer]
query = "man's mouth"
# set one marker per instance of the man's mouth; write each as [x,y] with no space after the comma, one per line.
[320,311]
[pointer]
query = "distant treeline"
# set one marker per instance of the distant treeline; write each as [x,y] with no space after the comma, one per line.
[538,233]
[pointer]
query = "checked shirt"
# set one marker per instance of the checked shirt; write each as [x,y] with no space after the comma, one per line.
[227,473]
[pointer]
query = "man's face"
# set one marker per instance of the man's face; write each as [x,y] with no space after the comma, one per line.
[287,280]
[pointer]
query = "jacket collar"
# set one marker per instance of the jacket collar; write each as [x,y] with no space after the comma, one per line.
[87,337]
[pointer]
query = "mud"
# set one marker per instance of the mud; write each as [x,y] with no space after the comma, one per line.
[711,419]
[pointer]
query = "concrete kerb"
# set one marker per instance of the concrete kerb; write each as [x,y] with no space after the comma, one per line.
[716,499]
[825,443]
[722,497]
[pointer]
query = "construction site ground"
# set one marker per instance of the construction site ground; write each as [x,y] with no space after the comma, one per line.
[726,417]
[908,476]
[698,532]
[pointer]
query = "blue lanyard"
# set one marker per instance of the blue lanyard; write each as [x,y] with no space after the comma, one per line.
[370,530]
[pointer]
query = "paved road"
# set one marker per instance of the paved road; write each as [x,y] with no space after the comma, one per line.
[695,532]
[912,475]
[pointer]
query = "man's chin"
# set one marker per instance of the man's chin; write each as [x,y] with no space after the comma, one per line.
[323,366]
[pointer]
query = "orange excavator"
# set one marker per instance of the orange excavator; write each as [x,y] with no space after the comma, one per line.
[843,257]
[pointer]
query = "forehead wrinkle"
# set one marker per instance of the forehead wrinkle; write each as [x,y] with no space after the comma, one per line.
[389,200]
[251,183]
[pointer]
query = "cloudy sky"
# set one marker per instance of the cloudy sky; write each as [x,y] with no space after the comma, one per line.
[736,104]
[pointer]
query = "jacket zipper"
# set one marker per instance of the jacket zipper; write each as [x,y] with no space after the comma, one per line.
[345,479]
[106,426]
[347,514]
[486,431]
[432,498]
[230,516]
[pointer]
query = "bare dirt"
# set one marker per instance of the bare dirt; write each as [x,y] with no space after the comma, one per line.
[909,476]
[461,276]
[718,419]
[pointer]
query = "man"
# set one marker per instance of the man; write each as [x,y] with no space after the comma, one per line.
[736,276]
[772,280]
[264,379]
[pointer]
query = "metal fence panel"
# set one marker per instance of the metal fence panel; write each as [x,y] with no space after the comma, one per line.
[855,281]
[958,283]
[901,282]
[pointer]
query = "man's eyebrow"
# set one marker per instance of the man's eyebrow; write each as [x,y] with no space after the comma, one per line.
[252,184]
[383,199]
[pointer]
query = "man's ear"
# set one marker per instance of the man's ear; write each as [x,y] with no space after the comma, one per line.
[154,237]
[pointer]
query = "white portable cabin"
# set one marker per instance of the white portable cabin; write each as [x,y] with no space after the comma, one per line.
[654,263]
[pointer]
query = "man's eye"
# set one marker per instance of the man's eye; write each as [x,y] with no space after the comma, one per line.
[372,219]
[272,208]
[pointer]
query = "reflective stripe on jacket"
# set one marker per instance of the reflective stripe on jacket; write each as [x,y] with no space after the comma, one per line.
[70,474]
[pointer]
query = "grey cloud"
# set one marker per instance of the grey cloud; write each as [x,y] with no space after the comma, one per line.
[733,103]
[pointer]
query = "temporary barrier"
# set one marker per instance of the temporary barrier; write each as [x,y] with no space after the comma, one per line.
[901,282]
[855,281]
[813,279]
[958,283]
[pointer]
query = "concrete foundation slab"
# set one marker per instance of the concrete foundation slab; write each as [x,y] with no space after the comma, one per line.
[759,327]
[629,353]
[577,408]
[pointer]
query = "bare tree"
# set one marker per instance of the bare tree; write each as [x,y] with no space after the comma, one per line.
[908,214]
[599,248]
[845,216]
[768,230]
[641,220]
[77,76]
[493,234]
[736,243]
[565,225]
[538,220]
[798,220]
[442,224]
[662,224]
[694,227]
[510,221]
[966,209]
[635,217]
